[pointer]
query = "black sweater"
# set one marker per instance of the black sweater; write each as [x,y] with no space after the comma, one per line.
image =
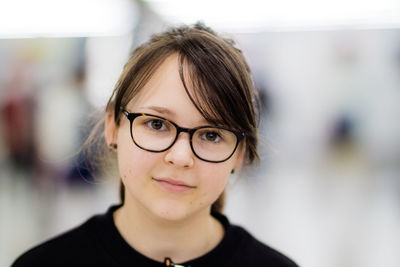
[98,243]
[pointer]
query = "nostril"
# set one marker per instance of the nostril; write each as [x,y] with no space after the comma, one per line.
[179,156]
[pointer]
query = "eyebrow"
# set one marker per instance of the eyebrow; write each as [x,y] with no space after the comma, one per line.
[166,111]
[161,110]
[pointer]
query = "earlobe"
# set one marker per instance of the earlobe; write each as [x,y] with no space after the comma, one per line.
[110,130]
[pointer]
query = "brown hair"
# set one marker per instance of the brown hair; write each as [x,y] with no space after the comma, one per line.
[212,67]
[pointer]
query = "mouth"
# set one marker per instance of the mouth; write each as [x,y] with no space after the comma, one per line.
[173,185]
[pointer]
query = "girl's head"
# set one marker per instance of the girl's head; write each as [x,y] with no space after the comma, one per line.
[191,77]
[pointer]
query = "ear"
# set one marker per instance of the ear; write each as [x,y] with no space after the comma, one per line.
[240,158]
[110,129]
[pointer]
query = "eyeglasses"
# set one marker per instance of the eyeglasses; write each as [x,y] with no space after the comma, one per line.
[157,134]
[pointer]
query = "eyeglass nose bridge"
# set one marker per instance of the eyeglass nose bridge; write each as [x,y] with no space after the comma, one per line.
[183,130]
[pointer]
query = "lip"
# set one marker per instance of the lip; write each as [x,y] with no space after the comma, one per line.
[173,185]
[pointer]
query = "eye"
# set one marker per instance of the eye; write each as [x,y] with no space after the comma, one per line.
[156,124]
[211,136]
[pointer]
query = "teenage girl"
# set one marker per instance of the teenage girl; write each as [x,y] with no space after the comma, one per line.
[180,121]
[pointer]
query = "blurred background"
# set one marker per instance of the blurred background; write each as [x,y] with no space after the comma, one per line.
[327,190]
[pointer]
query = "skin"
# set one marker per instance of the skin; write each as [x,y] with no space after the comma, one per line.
[180,223]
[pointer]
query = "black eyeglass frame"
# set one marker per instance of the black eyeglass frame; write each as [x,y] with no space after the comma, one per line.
[132,116]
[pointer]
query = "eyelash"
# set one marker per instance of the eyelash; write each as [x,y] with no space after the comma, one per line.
[219,137]
[148,122]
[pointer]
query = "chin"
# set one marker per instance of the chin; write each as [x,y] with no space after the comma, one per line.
[173,210]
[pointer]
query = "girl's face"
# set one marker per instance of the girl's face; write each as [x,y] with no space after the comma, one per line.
[173,184]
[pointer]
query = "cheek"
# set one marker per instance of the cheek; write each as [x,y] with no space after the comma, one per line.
[133,161]
[214,180]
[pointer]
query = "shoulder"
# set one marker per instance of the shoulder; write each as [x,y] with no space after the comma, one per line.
[246,250]
[55,250]
[67,249]
[256,253]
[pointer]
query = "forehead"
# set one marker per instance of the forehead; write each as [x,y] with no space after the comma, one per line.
[164,94]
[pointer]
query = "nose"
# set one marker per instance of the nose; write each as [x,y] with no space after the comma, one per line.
[180,154]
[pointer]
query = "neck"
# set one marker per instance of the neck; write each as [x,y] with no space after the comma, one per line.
[179,240]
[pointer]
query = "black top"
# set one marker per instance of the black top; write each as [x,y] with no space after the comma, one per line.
[97,242]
